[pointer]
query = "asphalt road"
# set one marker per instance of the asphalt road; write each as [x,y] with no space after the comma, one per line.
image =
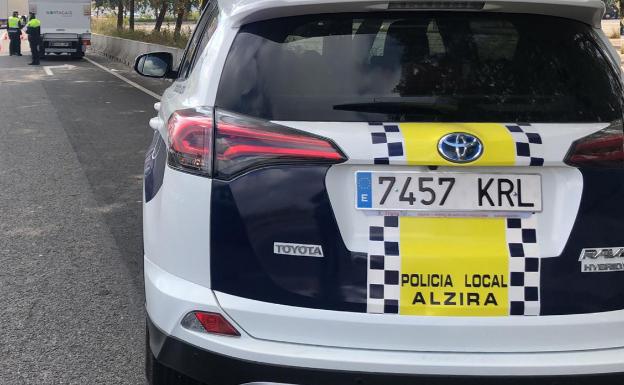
[71,160]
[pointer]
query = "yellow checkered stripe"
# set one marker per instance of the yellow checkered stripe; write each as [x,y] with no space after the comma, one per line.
[416,143]
[454,266]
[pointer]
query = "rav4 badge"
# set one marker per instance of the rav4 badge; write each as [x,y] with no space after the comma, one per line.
[600,260]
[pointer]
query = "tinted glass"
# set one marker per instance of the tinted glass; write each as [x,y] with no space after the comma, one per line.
[208,20]
[211,27]
[405,66]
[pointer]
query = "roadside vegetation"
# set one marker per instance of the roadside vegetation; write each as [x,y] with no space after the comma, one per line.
[614,10]
[164,22]
[107,25]
[614,33]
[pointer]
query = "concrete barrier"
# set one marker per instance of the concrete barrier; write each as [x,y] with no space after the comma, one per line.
[126,51]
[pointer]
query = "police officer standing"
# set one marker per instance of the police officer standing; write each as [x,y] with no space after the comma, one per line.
[15,34]
[33,29]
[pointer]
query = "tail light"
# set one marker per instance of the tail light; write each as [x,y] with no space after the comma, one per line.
[605,149]
[190,140]
[207,322]
[241,144]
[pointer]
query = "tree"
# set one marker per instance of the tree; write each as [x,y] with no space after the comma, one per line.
[181,10]
[120,14]
[132,15]
[161,13]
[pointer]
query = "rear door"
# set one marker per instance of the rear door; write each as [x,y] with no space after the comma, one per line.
[67,16]
[482,177]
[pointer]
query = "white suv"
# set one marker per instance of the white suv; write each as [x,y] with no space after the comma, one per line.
[369,192]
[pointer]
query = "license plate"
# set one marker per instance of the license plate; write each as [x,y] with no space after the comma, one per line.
[60,44]
[448,192]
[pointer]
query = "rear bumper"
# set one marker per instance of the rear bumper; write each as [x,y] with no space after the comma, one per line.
[62,50]
[214,368]
[169,298]
[72,44]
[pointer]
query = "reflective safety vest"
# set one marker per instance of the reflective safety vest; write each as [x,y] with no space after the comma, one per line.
[14,22]
[34,23]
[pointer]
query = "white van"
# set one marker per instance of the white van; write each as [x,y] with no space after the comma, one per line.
[4,14]
[65,25]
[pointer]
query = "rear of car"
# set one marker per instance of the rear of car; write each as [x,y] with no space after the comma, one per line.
[389,194]
[65,25]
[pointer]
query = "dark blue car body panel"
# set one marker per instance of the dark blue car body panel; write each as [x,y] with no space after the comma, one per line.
[290,204]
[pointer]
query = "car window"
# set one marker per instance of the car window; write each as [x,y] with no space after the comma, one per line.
[438,66]
[203,32]
[211,27]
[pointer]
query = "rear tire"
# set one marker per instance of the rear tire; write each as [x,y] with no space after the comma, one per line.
[158,374]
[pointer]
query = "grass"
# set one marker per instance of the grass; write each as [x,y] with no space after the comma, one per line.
[108,26]
[614,34]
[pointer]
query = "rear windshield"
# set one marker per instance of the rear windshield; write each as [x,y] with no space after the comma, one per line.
[409,66]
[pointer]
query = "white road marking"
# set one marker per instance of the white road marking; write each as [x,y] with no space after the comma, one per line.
[48,69]
[133,84]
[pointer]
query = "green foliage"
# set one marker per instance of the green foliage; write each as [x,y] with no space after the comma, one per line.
[108,26]
[146,10]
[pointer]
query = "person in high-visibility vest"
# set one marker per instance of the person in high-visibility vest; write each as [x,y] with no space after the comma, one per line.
[15,33]
[33,29]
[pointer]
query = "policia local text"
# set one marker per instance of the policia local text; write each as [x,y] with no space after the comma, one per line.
[455,298]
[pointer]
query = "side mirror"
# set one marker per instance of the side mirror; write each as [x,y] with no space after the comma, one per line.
[155,65]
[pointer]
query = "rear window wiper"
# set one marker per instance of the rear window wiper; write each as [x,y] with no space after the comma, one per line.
[402,105]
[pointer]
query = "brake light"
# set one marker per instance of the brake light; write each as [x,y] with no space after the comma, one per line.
[437,5]
[190,140]
[207,322]
[602,149]
[243,143]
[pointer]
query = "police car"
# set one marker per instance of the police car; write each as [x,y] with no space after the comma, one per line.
[387,192]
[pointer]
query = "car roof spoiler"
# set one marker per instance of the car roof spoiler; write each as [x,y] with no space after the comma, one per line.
[241,12]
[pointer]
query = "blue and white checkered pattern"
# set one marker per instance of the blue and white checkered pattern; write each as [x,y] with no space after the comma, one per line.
[388,143]
[529,151]
[384,265]
[524,266]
